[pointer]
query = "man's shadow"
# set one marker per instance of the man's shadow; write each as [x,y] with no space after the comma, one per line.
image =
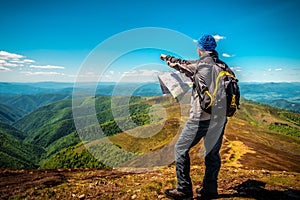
[256,189]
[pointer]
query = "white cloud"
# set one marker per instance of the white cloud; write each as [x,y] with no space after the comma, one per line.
[226,55]
[276,69]
[88,75]
[236,69]
[10,65]
[10,56]
[4,68]
[139,75]
[20,64]
[219,37]
[141,72]
[4,63]
[40,73]
[28,61]
[16,61]
[8,59]
[46,67]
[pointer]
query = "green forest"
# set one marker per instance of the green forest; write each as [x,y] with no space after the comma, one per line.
[47,136]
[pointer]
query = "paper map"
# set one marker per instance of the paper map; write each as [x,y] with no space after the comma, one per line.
[174,83]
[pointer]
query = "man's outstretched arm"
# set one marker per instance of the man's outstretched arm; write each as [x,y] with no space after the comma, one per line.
[188,67]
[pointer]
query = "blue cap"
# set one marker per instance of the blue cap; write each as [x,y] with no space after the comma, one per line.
[207,42]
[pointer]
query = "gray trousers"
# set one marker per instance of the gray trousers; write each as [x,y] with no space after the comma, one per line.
[190,136]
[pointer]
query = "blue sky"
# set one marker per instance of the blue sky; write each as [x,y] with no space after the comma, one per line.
[50,40]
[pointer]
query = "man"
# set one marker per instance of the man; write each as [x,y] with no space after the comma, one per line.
[198,126]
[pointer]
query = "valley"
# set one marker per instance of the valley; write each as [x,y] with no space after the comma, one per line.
[261,147]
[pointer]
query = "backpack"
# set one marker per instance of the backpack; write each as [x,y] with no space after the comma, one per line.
[223,93]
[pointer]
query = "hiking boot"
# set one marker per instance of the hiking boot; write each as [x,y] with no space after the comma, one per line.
[178,195]
[207,195]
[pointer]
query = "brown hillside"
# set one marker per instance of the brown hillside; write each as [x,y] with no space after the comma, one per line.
[248,143]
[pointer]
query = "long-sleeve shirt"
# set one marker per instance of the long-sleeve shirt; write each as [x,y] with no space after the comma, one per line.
[203,68]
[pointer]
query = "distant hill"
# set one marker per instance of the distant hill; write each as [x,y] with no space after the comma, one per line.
[10,114]
[282,103]
[33,88]
[29,103]
[282,95]
[12,131]
[30,96]
[270,90]
[52,126]
[269,93]
[18,88]
[14,152]
[27,97]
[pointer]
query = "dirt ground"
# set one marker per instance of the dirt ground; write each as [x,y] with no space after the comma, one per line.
[142,184]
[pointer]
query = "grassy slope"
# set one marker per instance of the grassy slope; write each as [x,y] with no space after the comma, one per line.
[119,155]
[248,142]
[273,150]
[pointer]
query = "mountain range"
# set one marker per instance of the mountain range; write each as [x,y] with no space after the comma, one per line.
[47,137]
[29,96]
[40,115]
[37,131]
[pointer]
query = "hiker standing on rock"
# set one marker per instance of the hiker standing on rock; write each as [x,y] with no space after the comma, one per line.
[200,125]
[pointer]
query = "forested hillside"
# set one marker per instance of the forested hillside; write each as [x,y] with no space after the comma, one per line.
[52,128]
[14,152]
[256,130]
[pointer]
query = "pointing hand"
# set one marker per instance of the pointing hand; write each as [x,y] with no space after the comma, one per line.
[163,56]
